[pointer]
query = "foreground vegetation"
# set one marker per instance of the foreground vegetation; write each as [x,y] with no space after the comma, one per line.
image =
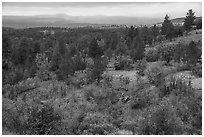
[121,81]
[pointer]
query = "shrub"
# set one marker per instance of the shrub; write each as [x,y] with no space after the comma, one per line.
[145,97]
[152,54]
[155,73]
[197,70]
[13,77]
[124,81]
[43,66]
[30,118]
[188,109]
[97,124]
[123,132]
[95,69]
[12,91]
[43,120]
[79,79]
[123,63]
[103,97]
[107,80]
[181,66]
[166,52]
[193,53]
[13,116]
[160,120]
[140,66]
[178,86]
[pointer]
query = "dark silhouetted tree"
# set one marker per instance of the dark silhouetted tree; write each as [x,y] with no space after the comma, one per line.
[190,17]
[154,32]
[167,28]
[121,47]
[132,32]
[165,25]
[170,31]
[137,49]
[146,35]
[94,49]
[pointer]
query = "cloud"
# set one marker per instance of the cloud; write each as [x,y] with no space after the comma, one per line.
[138,9]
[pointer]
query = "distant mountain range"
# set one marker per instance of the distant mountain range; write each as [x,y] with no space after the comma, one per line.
[64,20]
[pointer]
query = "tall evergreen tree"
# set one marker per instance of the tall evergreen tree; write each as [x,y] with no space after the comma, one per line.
[137,49]
[170,31]
[121,47]
[190,17]
[6,46]
[154,32]
[167,28]
[165,25]
[132,32]
[62,46]
[145,35]
[56,57]
[94,49]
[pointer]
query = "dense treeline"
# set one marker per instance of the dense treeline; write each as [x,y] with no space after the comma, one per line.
[55,80]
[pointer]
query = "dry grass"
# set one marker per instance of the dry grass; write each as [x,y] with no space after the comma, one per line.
[118,73]
[192,36]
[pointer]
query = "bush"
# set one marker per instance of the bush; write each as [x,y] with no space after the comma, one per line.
[13,77]
[188,108]
[181,66]
[97,124]
[161,120]
[155,74]
[197,70]
[103,97]
[79,79]
[12,91]
[13,117]
[140,66]
[145,97]
[152,54]
[123,63]
[43,120]
[95,69]
[43,66]
[107,80]
[30,118]
[175,86]
[166,52]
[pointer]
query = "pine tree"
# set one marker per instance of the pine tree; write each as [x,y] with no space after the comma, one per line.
[137,49]
[190,17]
[62,46]
[167,28]
[43,67]
[94,49]
[154,32]
[132,32]
[170,31]
[56,57]
[165,25]
[145,35]
[121,47]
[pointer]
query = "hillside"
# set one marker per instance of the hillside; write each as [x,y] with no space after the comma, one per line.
[90,81]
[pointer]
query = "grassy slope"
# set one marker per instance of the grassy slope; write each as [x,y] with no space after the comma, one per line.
[196,82]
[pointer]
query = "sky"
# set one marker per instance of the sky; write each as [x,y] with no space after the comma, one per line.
[137,9]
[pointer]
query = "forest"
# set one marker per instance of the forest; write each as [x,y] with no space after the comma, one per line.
[142,80]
